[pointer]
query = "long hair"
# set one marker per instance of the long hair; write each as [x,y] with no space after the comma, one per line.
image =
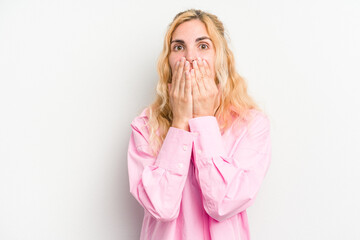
[235,102]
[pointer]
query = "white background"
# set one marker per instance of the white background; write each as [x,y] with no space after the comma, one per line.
[74,73]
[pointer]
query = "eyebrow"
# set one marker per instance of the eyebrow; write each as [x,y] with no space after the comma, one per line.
[197,40]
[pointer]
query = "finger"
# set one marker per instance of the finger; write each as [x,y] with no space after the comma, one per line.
[207,68]
[179,75]
[196,68]
[199,78]
[187,84]
[202,68]
[194,85]
[211,84]
[205,78]
[174,74]
[183,79]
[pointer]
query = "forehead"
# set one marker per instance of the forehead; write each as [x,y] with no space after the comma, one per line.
[190,30]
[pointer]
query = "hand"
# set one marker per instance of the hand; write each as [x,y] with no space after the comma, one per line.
[180,95]
[206,95]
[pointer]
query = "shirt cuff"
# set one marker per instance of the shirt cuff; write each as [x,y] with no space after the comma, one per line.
[175,152]
[208,141]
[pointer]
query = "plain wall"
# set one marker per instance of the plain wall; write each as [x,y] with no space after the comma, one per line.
[73,74]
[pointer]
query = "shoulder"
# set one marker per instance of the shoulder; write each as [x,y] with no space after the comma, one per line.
[139,123]
[254,121]
[259,122]
[258,116]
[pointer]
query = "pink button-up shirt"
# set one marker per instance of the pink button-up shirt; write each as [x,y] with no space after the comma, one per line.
[201,183]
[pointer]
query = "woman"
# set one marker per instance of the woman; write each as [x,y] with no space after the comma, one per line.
[198,154]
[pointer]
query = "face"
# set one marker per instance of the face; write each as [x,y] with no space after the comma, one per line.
[191,40]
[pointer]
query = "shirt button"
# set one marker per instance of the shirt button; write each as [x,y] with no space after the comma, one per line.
[184,147]
[180,165]
[196,133]
[198,151]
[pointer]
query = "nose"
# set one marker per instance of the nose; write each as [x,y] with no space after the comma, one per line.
[190,55]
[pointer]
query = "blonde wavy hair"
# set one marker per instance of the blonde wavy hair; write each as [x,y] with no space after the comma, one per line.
[235,101]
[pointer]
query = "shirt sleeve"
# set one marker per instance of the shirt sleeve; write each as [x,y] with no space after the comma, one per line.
[157,183]
[230,181]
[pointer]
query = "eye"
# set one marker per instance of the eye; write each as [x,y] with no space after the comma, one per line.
[203,46]
[178,48]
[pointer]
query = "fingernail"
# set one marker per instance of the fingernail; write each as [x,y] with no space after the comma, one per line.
[194,62]
[199,59]
[187,64]
[182,59]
